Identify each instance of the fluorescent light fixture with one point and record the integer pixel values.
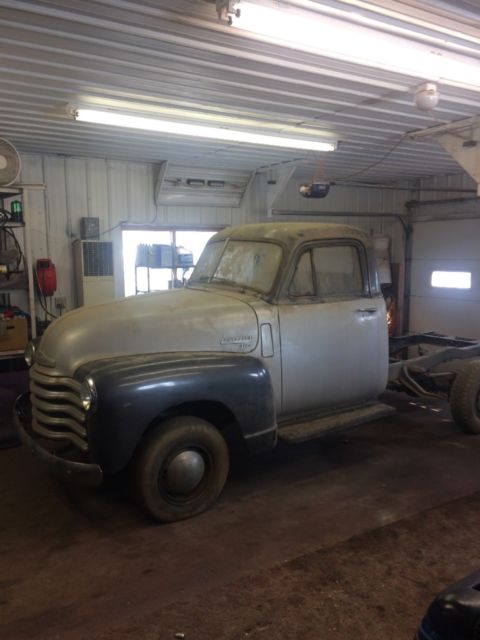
(339, 39)
(452, 279)
(111, 118)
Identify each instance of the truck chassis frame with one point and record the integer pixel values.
(419, 375)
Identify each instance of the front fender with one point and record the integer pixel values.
(133, 391)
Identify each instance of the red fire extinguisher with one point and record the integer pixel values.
(46, 276)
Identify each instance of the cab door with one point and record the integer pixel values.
(334, 343)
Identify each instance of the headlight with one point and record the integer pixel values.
(30, 353)
(88, 394)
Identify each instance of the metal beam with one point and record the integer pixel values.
(276, 184)
(465, 151)
(462, 141)
(457, 126)
(159, 173)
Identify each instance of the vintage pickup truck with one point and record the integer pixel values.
(281, 332)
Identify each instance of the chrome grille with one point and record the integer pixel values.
(57, 410)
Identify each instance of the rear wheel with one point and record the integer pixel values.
(465, 397)
(181, 468)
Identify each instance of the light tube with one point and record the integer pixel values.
(334, 38)
(111, 118)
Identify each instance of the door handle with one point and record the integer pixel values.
(368, 310)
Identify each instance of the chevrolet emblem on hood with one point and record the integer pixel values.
(236, 340)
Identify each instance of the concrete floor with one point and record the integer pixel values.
(346, 538)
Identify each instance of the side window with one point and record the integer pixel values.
(302, 281)
(338, 271)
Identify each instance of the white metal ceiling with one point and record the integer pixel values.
(175, 54)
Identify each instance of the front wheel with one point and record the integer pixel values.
(181, 468)
(465, 397)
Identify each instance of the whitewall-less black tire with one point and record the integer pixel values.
(465, 397)
(180, 468)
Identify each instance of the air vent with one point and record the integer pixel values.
(203, 186)
(97, 259)
(94, 273)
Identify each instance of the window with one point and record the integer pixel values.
(158, 279)
(207, 262)
(451, 279)
(247, 264)
(302, 281)
(328, 271)
(338, 271)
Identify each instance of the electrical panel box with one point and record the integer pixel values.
(93, 262)
(89, 228)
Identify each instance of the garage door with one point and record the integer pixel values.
(451, 250)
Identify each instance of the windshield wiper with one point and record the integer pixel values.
(242, 288)
(225, 281)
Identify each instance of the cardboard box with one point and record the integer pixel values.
(16, 334)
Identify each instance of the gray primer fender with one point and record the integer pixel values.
(133, 391)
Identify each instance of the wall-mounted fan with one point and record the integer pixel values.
(9, 163)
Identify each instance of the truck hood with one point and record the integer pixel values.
(179, 320)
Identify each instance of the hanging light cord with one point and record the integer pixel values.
(373, 164)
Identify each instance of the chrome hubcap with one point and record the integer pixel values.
(185, 471)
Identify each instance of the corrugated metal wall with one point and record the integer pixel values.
(359, 201)
(435, 201)
(118, 192)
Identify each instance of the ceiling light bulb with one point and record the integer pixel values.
(427, 96)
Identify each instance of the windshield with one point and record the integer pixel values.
(245, 264)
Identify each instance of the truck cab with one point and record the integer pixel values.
(321, 316)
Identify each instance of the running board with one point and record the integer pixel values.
(315, 428)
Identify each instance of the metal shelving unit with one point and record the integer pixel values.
(27, 284)
(151, 258)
